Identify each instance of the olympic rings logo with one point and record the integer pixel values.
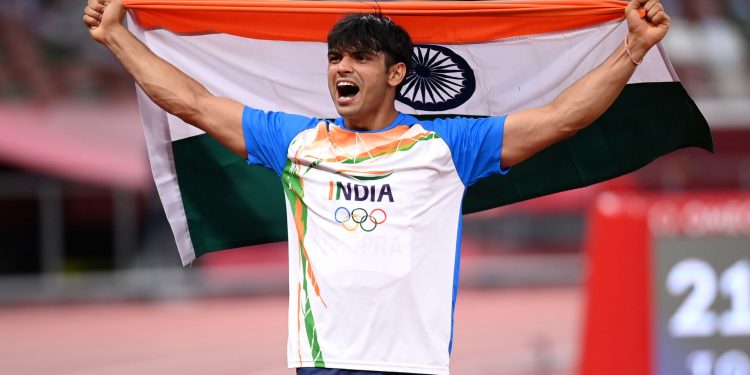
(359, 217)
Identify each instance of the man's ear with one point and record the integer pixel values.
(396, 74)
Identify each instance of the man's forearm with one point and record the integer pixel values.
(587, 99)
(529, 131)
(167, 86)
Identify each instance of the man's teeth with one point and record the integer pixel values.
(347, 90)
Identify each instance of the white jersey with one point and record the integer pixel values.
(374, 222)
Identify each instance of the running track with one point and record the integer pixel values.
(498, 332)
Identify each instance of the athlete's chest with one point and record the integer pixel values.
(338, 164)
(344, 173)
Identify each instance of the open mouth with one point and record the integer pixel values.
(346, 90)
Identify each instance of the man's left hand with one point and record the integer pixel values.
(647, 25)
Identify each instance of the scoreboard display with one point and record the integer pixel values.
(669, 285)
(702, 306)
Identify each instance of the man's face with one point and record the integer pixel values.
(358, 82)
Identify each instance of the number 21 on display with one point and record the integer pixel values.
(694, 317)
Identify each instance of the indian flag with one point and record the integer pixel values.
(470, 59)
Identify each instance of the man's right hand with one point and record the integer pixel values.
(101, 16)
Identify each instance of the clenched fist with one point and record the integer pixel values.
(102, 16)
(647, 24)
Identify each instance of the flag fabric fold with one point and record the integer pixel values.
(471, 59)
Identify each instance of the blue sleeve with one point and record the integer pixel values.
(475, 144)
(268, 135)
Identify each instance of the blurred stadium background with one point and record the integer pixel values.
(91, 282)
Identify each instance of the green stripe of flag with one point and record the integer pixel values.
(646, 121)
(229, 204)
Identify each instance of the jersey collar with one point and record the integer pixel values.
(401, 119)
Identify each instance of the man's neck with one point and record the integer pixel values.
(376, 122)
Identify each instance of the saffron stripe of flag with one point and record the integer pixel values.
(271, 55)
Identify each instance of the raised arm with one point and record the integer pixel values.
(532, 130)
(167, 86)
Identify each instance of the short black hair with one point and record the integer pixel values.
(370, 32)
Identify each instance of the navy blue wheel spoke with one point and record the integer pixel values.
(456, 88)
(440, 63)
(431, 62)
(410, 82)
(408, 87)
(419, 58)
(450, 91)
(436, 91)
(432, 91)
(448, 77)
(427, 57)
(447, 71)
(441, 88)
(422, 88)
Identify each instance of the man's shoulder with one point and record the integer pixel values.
(277, 119)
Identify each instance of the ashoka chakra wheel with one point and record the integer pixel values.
(438, 81)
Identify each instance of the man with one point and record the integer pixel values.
(374, 197)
